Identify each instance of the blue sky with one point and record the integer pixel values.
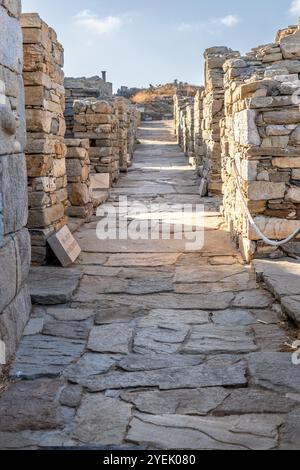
(155, 41)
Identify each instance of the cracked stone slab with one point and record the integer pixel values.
(290, 432)
(217, 373)
(182, 402)
(212, 274)
(67, 314)
(110, 338)
(89, 365)
(291, 306)
(51, 286)
(212, 339)
(269, 337)
(102, 285)
(159, 339)
(120, 314)
(45, 356)
(274, 371)
(234, 317)
(101, 420)
(253, 299)
(149, 286)
(142, 259)
(169, 317)
(69, 329)
(251, 400)
(31, 405)
(248, 432)
(138, 362)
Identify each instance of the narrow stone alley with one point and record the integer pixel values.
(149, 345)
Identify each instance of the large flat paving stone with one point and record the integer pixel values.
(182, 402)
(214, 339)
(166, 317)
(274, 371)
(110, 338)
(166, 339)
(138, 362)
(51, 286)
(31, 405)
(248, 432)
(45, 356)
(213, 374)
(101, 420)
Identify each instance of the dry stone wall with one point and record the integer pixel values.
(45, 150)
(98, 121)
(83, 88)
(213, 112)
(15, 303)
(198, 137)
(78, 175)
(261, 134)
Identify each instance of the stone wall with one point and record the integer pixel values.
(97, 120)
(261, 133)
(45, 150)
(198, 137)
(14, 238)
(213, 112)
(78, 175)
(81, 88)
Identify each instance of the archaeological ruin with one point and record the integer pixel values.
(140, 340)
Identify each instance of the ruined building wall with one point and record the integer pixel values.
(78, 175)
(261, 133)
(82, 88)
(14, 238)
(45, 150)
(98, 121)
(213, 112)
(198, 138)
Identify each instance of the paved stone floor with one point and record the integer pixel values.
(155, 347)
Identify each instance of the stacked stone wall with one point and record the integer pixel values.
(45, 150)
(261, 134)
(213, 112)
(15, 303)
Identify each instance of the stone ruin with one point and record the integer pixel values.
(248, 113)
(45, 176)
(261, 134)
(45, 149)
(15, 302)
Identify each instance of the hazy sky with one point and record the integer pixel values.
(155, 41)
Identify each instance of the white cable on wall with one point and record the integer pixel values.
(252, 221)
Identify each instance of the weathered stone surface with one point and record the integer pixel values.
(291, 306)
(69, 329)
(252, 299)
(290, 432)
(45, 356)
(256, 432)
(89, 365)
(101, 420)
(249, 401)
(70, 314)
(159, 339)
(169, 317)
(138, 362)
(149, 286)
(274, 371)
(245, 129)
(211, 339)
(50, 286)
(71, 396)
(214, 374)
(31, 405)
(110, 338)
(182, 402)
(234, 318)
(269, 337)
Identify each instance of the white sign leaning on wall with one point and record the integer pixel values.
(2, 353)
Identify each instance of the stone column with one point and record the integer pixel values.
(45, 151)
(15, 303)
